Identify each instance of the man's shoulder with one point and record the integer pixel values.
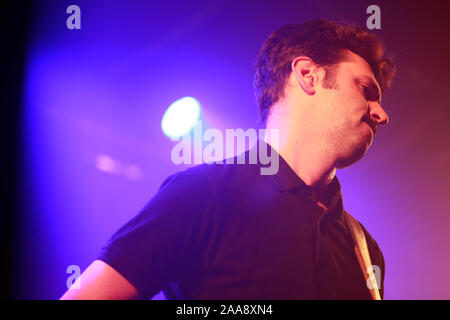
(372, 244)
(366, 232)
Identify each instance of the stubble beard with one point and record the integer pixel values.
(350, 148)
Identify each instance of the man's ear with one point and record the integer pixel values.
(305, 71)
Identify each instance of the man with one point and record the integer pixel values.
(227, 232)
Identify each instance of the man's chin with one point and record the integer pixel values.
(355, 156)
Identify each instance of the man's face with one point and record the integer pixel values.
(352, 110)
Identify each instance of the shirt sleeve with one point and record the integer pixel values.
(166, 237)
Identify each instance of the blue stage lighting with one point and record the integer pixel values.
(180, 117)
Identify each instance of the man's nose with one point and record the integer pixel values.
(377, 113)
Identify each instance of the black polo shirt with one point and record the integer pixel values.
(224, 231)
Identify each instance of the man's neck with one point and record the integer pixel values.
(311, 163)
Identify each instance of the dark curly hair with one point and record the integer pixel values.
(325, 43)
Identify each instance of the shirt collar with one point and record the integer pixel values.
(286, 180)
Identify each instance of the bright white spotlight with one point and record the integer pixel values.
(180, 117)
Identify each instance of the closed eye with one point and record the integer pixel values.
(370, 94)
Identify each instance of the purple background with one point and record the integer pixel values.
(102, 90)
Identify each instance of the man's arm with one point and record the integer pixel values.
(144, 255)
(101, 282)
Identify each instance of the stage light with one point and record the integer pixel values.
(180, 117)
